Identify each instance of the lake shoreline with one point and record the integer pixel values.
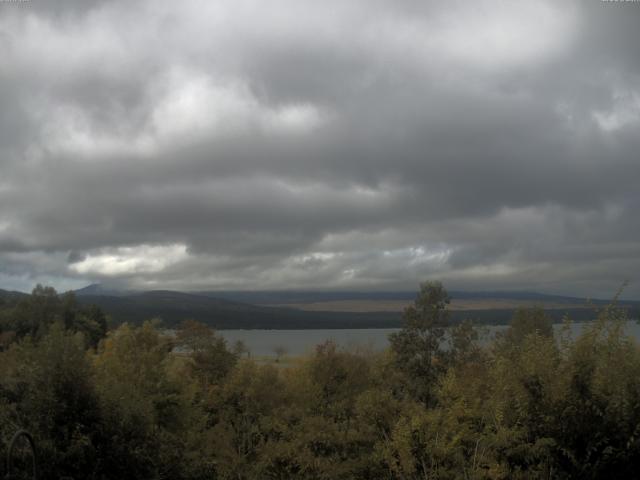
(263, 342)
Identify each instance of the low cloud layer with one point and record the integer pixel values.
(335, 144)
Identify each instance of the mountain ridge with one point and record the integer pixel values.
(268, 309)
(269, 297)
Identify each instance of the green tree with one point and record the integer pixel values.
(526, 321)
(326, 434)
(36, 313)
(209, 359)
(245, 417)
(597, 423)
(46, 387)
(150, 422)
(417, 346)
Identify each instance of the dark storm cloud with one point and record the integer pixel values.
(320, 144)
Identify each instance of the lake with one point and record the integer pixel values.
(300, 342)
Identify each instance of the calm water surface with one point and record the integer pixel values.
(299, 342)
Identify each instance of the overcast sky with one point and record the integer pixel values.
(320, 144)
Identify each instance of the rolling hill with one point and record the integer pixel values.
(317, 310)
(314, 310)
(173, 307)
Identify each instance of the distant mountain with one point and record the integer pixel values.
(277, 297)
(7, 295)
(174, 307)
(97, 289)
(239, 310)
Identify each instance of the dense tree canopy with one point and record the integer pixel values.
(34, 315)
(141, 403)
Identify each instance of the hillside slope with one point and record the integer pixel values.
(173, 307)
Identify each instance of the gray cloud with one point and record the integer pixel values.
(333, 145)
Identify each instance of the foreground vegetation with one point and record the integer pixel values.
(127, 404)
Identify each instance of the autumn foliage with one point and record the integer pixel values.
(438, 404)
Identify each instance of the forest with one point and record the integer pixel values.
(131, 402)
